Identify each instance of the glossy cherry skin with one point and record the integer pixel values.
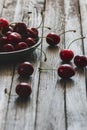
(8, 48)
(52, 39)
(25, 69)
(21, 45)
(32, 32)
(23, 90)
(20, 28)
(66, 71)
(66, 55)
(80, 61)
(3, 40)
(8, 32)
(30, 42)
(35, 30)
(14, 38)
(5, 30)
(4, 23)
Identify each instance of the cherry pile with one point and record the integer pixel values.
(16, 36)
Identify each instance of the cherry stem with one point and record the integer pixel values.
(45, 59)
(74, 41)
(45, 27)
(39, 26)
(45, 69)
(67, 31)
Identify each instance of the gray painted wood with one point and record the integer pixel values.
(54, 104)
(12, 107)
(50, 109)
(76, 105)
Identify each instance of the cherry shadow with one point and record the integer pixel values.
(80, 70)
(22, 102)
(66, 83)
(53, 49)
(25, 79)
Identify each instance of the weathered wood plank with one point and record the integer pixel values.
(76, 106)
(50, 109)
(19, 111)
(6, 75)
(1, 7)
(83, 12)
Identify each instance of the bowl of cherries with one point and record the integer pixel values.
(17, 40)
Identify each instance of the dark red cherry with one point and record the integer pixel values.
(3, 40)
(23, 90)
(66, 55)
(32, 32)
(30, 42)
(35, 30)
(21, 45)
(20, 28)
(4, 23)
(66, 71)
(25, 69)
(52, 39)
(5, 30)
(8, 48)
(14, 38)
(80, 61)
(8, 32)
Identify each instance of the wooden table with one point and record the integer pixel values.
(54, 104)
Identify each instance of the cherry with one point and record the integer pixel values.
(4, 23)
(8, 32)
(5, 30)
(25, 69)
(21, 45)
(14, 38)
(3, 40)
(67, 55)
(80, 61)
(66, 71)
(20, 28)
(32, 32)
(23, 90)
(30, 42)
(53, 39)
(8, 48)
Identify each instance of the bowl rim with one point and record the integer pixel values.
(22, 50)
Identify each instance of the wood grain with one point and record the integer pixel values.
(55, 104)
(76, 106)
(50, 107)
(17, 111)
